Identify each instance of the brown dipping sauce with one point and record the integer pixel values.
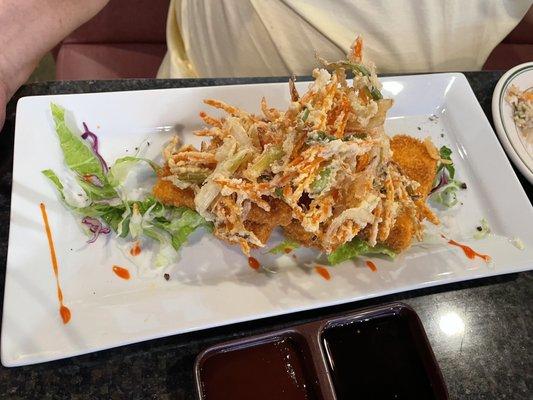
(267, 370)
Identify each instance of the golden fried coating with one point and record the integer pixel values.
(279, 214)
(262, 223)
(262, 231)
(402, 232)
(296, 232)
(415, 161)
(169, 194)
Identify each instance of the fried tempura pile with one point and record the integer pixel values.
(323, 169)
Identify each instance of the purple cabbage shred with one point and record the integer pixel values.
(96, 227)
(93, 139)
(443, 181)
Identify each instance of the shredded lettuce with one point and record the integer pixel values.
(447, 195)
(120, 170)
(96, 192)
(445, 187)
(182, 222)
(169, 226)
(446, 154)
(137, 221)
(166, 254)
(356, 248)
(284, 247)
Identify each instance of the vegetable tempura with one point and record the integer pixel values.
(323, 169)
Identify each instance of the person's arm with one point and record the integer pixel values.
(30, 28)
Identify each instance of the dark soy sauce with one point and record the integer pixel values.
(377, 358)
(269, 370)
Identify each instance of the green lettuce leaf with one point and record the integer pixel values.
(68, 198)
(356, 248)
(284, 247)
(447, 196)
(96, 193)
(51, 175)
(122, 167)
(181, 223)
(78, 156)
(446, 154)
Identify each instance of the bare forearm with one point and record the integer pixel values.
(30, 28)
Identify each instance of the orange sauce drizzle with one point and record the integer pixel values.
(372, 266)
(253, 263)
(121, 272)
(64, 311)
(323, 272)
(136, 249)
(469, 252)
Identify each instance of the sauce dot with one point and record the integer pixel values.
(372, 266)
(323, 272)
(121, 272)
(253, 263)
(136, 249)
(65, 314)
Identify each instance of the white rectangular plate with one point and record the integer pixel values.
(212, 284)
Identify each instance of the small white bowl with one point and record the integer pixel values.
(513, 141)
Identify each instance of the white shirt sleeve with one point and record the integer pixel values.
(227, 38)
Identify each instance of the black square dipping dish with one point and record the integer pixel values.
(375, 353)
(382, 354)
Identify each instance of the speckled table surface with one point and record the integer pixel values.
(491, 358)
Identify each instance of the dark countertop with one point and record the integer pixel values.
(490, 359)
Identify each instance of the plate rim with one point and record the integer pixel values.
(331, 302)
(497, 116)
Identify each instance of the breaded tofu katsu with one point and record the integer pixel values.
(323, 169)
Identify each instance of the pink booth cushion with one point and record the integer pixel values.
(124, 40)
(109, 61)
(125, 21)
(516, 48)
(507, 55)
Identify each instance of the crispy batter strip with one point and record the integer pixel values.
(414, 160)
(171, 195)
